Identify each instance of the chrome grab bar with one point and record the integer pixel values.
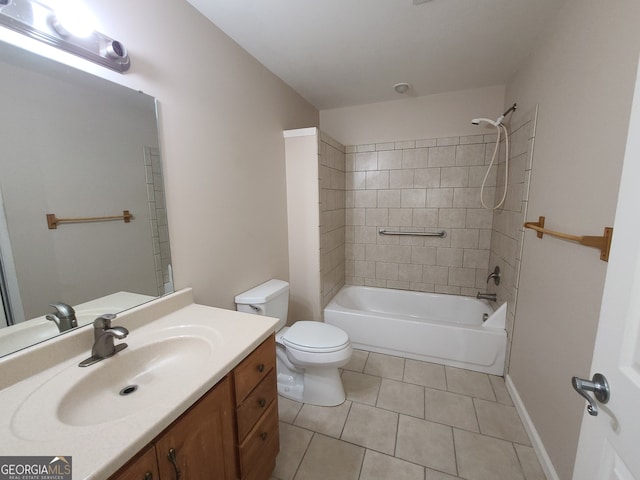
(441, 234)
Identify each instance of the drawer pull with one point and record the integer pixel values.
(262, 402)
(261, 367)
(148, 476)
(263, 435)
(174, 461)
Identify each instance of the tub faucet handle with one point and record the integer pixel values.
(495, 275)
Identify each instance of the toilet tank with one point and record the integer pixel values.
(270, 298)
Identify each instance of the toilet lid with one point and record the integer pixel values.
(315, 337)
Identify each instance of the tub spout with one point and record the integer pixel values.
(487, 296)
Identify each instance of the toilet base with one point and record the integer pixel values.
(313, 385)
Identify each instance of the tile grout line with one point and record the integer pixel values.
(295, 474)
(519, 460)
(346, 418)
(455, 450)
(364, 455)
(475, 411)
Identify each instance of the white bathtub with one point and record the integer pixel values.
(444, 329)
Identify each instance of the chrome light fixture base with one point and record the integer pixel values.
(38, 21)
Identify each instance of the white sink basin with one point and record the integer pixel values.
(153, 365)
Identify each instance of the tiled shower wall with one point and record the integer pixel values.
(507, 234)
(423, 185)
(331, 176)
(158, 216)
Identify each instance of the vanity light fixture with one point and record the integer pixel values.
(38, 19)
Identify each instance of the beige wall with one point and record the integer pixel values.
(221, 120)
(303, 214)
(410, 118)
(581, 74)
(316, 217)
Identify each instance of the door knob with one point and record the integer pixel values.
(598, 385)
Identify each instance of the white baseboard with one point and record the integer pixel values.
(536, 441)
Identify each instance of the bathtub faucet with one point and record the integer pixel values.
(487, 296)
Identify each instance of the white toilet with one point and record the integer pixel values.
(308, 354)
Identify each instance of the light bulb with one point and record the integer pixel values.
(74, 18)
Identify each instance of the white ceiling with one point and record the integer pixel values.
(338, 53)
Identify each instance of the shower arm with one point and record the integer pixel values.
(512, 109)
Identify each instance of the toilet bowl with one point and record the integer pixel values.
(308, 353)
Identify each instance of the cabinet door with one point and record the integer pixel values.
(144, 467)
(200, 445)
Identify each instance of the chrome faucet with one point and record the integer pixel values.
(104, 333)
(64, 317)
(487, 296)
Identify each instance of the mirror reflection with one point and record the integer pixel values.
(75, 146)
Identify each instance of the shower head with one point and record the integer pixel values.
(477, 121)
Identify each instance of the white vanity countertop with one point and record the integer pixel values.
(97, 451)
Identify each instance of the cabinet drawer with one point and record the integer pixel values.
(143, 467)
(254, 368)
(257, 403)
(262, 444)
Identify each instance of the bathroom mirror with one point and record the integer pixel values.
(76, 146)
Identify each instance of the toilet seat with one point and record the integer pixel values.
(315, 337)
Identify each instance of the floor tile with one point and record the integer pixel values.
(466, 382)
(288, 409)
(330, 458)
(485, 458)
(451, 409)
(293, 444)
(378, 466)
(500, 389)
(426, 443)
(502, 421)
(407, 419)
(371, 427)
(361, 388)
(426, 374)
(326, 420)
(529, 463)
(357, 361)
(435, 475)
(401, 397)
(385, 366)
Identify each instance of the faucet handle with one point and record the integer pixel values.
(495, 275)
(103, 322)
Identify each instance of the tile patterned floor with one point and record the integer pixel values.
(405, 419)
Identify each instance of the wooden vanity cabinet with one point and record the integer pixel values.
(200, 444)
(197, 446)
(257, 412)
(230, 433)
